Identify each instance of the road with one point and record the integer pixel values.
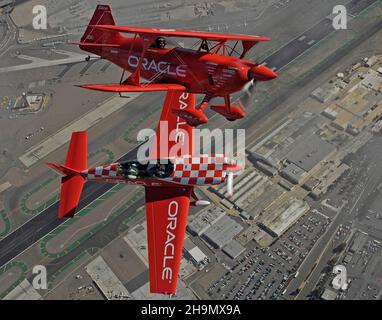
(36, 228)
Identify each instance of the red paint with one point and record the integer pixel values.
(212, 72)
(167, 201)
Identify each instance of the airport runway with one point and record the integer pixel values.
(36, 228)
(311, 37)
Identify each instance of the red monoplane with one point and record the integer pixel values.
(214, 69)
(169, 183)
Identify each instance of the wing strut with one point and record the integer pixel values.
(147, 41)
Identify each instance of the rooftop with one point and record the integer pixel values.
(197, 254)
(233, 249)
(223, 231)
(205, 219)
(308, 152)
(106, 280)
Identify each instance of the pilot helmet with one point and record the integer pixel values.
(160, 42)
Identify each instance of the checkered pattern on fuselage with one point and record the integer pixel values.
(105, 171)
(202, 170)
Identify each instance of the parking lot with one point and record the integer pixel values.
(363, 264)
(263, 273)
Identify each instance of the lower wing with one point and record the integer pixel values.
(166, 212)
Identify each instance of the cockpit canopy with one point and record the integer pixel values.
(134, 169)
(159, 43)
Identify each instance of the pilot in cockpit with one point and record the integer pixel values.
(158, 170)
(132, 172)
(161, 170)
(160, 43)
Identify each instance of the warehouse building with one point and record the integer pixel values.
(283, 215)
(204, 220)
(106, 280)
(274, 149)
(233, 249)
(193, 253)
(222, 232)
(309, 152)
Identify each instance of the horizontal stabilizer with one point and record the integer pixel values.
(132, 88)
(63, 170)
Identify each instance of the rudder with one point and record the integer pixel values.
(102, 15)
(76, 158)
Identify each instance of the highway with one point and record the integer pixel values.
(36, 228)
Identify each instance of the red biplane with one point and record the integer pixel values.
(214, 69)
(169, 183)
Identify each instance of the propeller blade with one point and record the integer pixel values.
(247, 96)
(248, 86)
(230, 184)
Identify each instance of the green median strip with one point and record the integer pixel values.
(44, 242)
(44, 205)
(6, 222)
(109, 153)
(14, 264)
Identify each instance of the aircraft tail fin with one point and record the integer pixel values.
(72, 182)
(102, 15)
(76, 157)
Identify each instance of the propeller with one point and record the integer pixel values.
(230, 184)
(256, 73)
(247, 94)
(231, 168)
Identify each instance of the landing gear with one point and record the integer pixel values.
(235, 113)
(193, 116)
(196, 117)
(230, 111)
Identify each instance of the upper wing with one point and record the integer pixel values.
(166, 213)
(144, 87)
(174, 137)
(181, 33)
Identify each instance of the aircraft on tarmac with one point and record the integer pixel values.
(212, 69)
(169, 181)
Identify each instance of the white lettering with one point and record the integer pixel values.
(169, 248)
(161, 66)
(133, 61)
